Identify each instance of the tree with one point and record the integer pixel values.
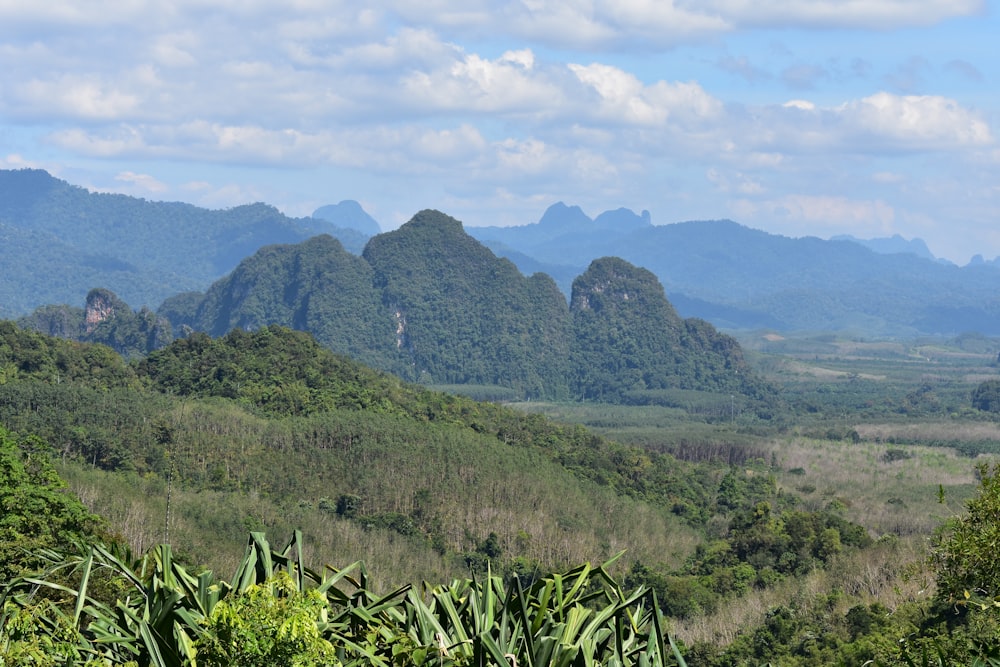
(273, 623)
(37, 511)
(986, 396)
(965, 557)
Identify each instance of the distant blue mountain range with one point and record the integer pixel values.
(58, 241)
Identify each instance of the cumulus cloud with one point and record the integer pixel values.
(880, 123)
(919, 122)
(623, 97)
(508, 84)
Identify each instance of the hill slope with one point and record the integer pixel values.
(59, 241)
(431, 304)
(269, 430)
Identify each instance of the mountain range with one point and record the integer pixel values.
(431, 304)
(58, 241)
(742, 278)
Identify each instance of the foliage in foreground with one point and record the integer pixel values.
(36, 509)
(274, 611)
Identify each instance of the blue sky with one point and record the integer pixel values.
(811, 117)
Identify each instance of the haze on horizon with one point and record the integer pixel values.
(800, 118)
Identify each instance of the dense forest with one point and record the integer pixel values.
(60, 240)
(429, 303)
(208, 440)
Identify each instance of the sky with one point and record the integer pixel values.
(798, 117)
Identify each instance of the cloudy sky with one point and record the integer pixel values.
(798, 117)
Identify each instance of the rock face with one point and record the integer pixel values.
(101, 306)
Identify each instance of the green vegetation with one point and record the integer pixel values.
(430, 304)
(36, 510)
(801, 540)
(277, 611)
(60, 241)
(987, 396)
(105, 319)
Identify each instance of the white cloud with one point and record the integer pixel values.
(867, 14)
(877, 124)
(86, 98)
(921, 122)
(624, 98)
(509, 84)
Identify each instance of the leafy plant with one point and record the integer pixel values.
(276, 611)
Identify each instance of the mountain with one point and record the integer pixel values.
(57, 241)
(431, 304)
(348, 214)
(741, 278)
(105, 319)
(891, 245)
(629, 341)
(314, 286)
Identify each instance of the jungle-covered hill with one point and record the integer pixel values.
(58, 241)
(433, 305)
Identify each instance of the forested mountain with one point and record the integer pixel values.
(431, 304)
(464, 316)
(741, 278)
(57, 241)
(104, 319)
(314, 286)
(629, 341)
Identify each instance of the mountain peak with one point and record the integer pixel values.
(565, 217)
(348, 214)
(894, 244)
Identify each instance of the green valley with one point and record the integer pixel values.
(800, 539)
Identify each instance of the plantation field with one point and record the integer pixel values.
(799, 535)
(877, 426)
